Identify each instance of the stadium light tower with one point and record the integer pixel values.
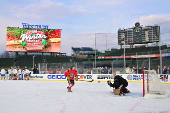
(95, 45)
(124, 52)
(33, 60)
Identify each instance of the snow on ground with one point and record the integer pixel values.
(87, 97)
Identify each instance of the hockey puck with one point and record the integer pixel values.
(98, 81)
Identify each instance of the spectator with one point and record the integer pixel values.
(10, 73)
(34, 70)
(105, 70)
(98, 70)
(128, 70)
(18, 68)
(158, 70)
(35, 66)
(81, 70)
(62, 70)
(145, 68)
(88, 72)
(2, 73)
(54, 71)
(37, 72)
(134, 69)
(168, 72)
(140, 70)
(110, 71)
(164, 70)
(102, 70)
(94, 71)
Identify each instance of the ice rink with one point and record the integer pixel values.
(87, 97)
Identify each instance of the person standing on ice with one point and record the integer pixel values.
(71, 74)
(2, 73)
(119, 84)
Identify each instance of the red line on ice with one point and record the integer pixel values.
(135, 106)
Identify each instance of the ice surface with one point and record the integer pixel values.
(87, 97)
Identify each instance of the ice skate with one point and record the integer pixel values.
(69, 90)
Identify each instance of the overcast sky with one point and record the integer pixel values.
(80, 19)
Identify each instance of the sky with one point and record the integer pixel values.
(81, 19)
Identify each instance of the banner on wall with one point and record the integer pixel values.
(165, 78)
(33, 40)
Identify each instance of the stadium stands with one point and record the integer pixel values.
(6, 62)
(27, 60)
(23, 61)
(82, 50)
(87, 49)
(132, 51)
(76, 49)
(52, 59)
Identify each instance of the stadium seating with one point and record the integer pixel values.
(132, 51)
(76, 49)
(27, 60)
(87, 49)
(58, 59)
(6, 62)
(23, 61)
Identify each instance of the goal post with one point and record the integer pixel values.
(152, 86)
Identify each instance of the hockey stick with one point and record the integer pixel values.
(69, 81)
(86, 81)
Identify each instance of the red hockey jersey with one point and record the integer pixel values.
(71, 73)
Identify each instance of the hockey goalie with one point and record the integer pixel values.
(119, 84)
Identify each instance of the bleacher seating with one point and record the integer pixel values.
(6, 62)
(76, 49)
(23, 61)
(52, 59)
(87, 49)
(106, 53)
(133, 51)
(27, 60)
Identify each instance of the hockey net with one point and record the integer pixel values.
(152, 86)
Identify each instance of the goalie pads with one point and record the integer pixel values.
(76, 78)
(116, 91)
(120, 86)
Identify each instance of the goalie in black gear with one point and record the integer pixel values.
(119, 84)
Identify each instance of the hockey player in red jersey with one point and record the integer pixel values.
(71, 75)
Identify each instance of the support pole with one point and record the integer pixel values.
(143, 83)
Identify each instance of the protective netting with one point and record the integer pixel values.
(153, 87)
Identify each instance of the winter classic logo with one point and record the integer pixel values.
(34, 40)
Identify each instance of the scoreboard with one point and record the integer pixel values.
(139, 35)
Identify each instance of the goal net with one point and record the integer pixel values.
(152, 86)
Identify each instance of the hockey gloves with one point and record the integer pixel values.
(68, 78)
(76, 78)
(109, 82)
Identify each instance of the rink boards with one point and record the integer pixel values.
(138, 78)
